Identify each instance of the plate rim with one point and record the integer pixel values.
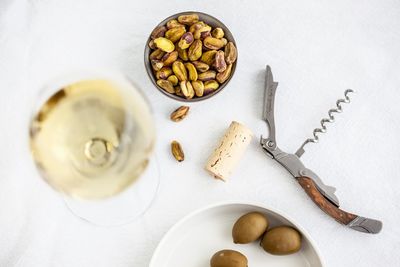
(226, 203)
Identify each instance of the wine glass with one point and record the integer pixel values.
(92, 137)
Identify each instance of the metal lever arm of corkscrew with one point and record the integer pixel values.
(294, 165)
(268, 112)
(322, 195)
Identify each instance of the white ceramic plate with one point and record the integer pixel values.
(194, 239)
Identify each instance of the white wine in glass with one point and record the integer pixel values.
(92, 138)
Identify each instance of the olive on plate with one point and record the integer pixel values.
(281, 240)
(228, 258)
(249, 228)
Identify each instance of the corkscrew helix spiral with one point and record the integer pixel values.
(324, 121)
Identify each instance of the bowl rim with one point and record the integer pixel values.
(257, 204)
(151, 75)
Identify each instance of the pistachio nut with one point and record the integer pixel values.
(166, 85)
(204, 30)
(187, 89)
(186, 40)
(178, 91)
(198, 87)
(189, 19)
(210, 86)
(191, 71)
(157, 54)
(223, 76)
(195, 50)
(156, 64)
(190, 58)
(169, 58)
(230, 53)
(173, 23)
(179, 70)
(219, 62)
(213, 43)
(218, 33)
(177, 152)
(182, 53)
(179, 113)
(224, 41)
(204, 35)
(201, 66)
(208, 57)
(158, 32)
(152, 45)
(173, 80)
(174, 34)
(196, 26)
(164, 44)
(207, 76)
(163, 73)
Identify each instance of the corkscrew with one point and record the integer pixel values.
(324, 121)
(322, 195)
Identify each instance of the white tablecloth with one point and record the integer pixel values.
(316, 50)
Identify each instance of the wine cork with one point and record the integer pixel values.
(230, 150)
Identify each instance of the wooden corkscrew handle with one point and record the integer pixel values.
(324, 204)
(353, 221)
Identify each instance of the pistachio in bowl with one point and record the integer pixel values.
(190, 56)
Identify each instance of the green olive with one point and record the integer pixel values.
(249, 228)
(228, 258)
(282, 240)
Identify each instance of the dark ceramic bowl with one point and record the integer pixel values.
(213, 22)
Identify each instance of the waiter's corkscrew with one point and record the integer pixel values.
(323, 195)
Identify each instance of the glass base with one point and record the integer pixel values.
(123, 208)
